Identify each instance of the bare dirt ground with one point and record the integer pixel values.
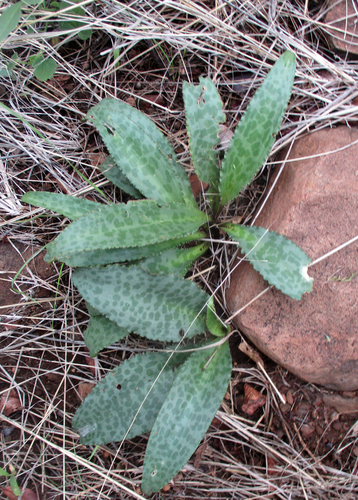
(304, 447)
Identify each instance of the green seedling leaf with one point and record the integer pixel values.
(255, 134)
(113, 403)
(142, 152)
(85, 34)
(186, 414)
(45, 69)
(62, 204)
(9, 20)
(203, 109)
(101, 332)
(112, 255)
(14, 486)
(215, 325)
(72, 23)
(157, 307)
(135, 224)
(117, 177)
(4, 473)
(280, 262)
(5, 72)
(174, 261)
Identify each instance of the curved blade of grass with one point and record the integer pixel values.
(102, 257)
(280, 262)
(62, 204)
(203, 109)
(255, 134)
(142, 152)
(186, 414)
(114, 174)
(109, 409)
(157, 307)
(134, 224)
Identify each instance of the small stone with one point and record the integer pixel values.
(289, 397)
(307, 430)
(315, 204)
(285, 407)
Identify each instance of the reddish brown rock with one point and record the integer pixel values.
(341, 24)
(315, 204)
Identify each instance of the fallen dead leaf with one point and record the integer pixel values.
(84, 388)
(253, 400)
(270, 466)
(225, 136)
(9, 402)
(153, 99)
(197, 186)
(199, 454)
(96, 158)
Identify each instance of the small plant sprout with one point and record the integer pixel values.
(131, 259)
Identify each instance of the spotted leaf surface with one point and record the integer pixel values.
(215, 325)
(186, 415)
(102, 257)
(101, 332)
(133, 224)
(62, 204)
(157, 307)
(108, 411)
(142, 152)
(174, 261)
(255, 134)
(114, 174)
(280, 262)
(203, 109)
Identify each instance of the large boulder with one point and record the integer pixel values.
(315, 204)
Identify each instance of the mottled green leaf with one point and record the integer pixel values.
(16, 490)
(174, 261)
(114, 174)
(215, 325)
(203, 109)
(9, 20)
(110, 256)
(255, 134)
(142, 152)
(185, 415)
(108, 411)
(62, 204)
(135, 224)
(280, 262)
(101, 332)
(154, 306)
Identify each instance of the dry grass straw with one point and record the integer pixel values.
(138, 49)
